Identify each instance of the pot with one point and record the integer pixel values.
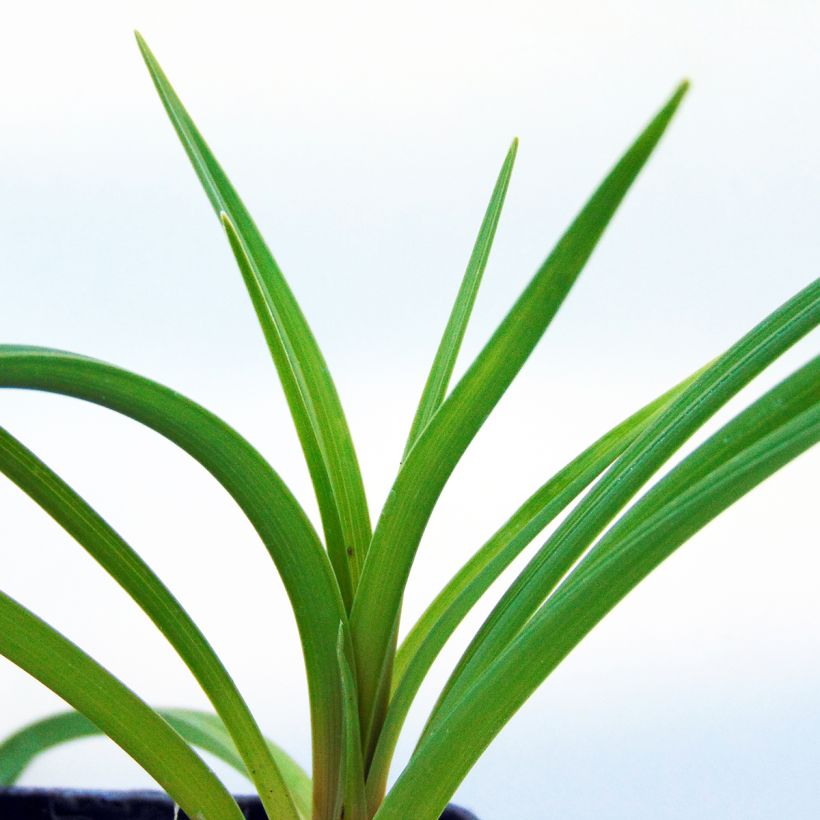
(19, 803)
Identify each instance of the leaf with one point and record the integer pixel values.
(354, 802)
(296, 777)
(261, 494)
(41, 651)
(19, 749)
(309, 389)
(132, 573)
(201, 729)
(722, 380)
(794, 395)
(448, 752)
(445, 359)
(424, 642)
(444, 440)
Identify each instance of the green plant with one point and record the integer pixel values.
(346, 588)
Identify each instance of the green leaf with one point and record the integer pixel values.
(309, 389)
(719, 382)
(261, 494)
(794, 395)
(201, 729)
(65, 669)
(454, 744)
(444, 440)
(424, 642)
(131, 572)
(295, 776)
(19, 749)
(445, 360)
(354, 802)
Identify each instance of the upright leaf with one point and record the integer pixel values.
(353, 796)
(444, 440)
(445, 360)
(309, 389)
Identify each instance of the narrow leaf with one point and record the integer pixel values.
(295, 776)
(445, 360)
(133, 574)
(201, 729)
(448, 752)
(354, 802)
(307, 384)
(429, 635)
(444, 440)
(790, 398)
(722, 380)
(261, 494)
(41, 651)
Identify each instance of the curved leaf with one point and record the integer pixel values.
(201, 729)
(133, 574)
(722, 380)
(65, 669)
(791, 397)
(448, 752)
(260, 493)
(430, 633)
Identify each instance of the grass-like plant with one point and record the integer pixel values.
(346, 585)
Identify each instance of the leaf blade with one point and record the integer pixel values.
(354, 805)
(41, 651)
(309, 389)
(575, 609)
(280, 522)
(125, 566)
(438, 622)
(202, 729)
(444, 361)
(441, 444)
(716, 385)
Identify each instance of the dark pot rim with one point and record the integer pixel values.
(40, 803)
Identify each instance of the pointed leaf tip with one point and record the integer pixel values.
(680, 92)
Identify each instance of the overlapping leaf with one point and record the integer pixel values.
(57, 663)
(118, 559)
(261, 494)
(718, 383)
(201, 729)
(679, 509)
(354, 802)
(309, 389)
(449, 432)
(424, 642)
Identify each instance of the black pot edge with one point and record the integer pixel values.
(32, 803)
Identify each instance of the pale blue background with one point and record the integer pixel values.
(366, 138)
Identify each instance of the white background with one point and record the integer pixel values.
(365, 137)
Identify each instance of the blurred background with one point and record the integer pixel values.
(365, 138)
